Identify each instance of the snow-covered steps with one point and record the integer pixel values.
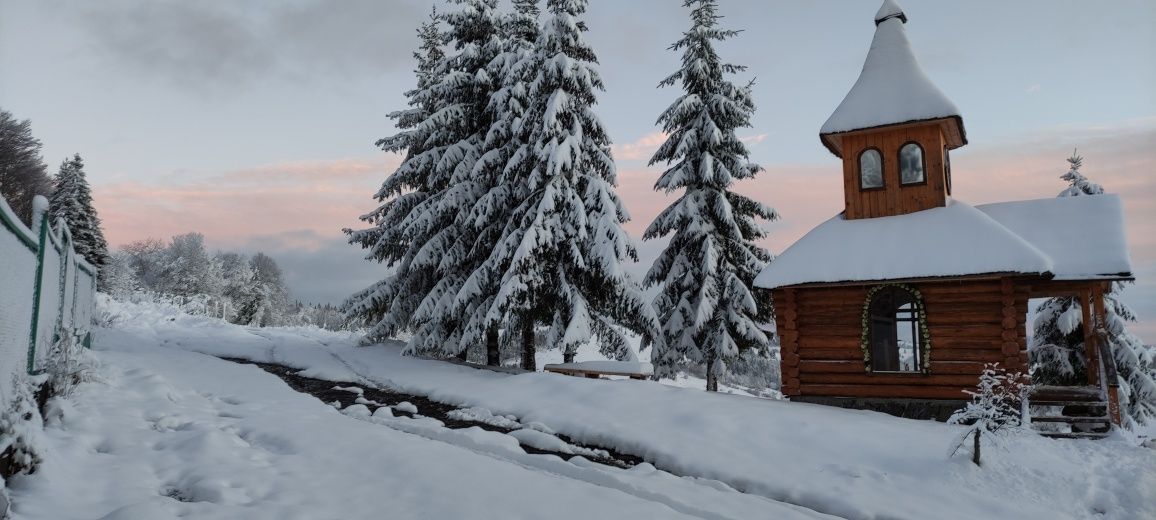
(1062, 412)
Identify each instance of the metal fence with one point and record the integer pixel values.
(47, 294)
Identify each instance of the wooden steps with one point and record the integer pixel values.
(1083, 410)
(1065, 419)
(1075, 435)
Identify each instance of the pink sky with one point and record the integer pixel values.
(304, 203)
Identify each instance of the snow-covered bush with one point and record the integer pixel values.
(20, 425)
(68, 365)
(996, 408)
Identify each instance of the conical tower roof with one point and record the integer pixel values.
(892, 89)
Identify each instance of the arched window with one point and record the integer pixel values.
(894, 333)
(870, 169)
(911, 164)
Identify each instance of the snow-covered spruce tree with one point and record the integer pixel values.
(561, 255)
(417, 229)
(498, 177)
(72, 201)
(451, 245)
(1077, 183)
(387, 305)
(996, 408)
(1058, 351)
(709, 314)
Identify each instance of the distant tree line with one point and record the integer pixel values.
(232, 286)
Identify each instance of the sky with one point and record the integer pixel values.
(253, 122)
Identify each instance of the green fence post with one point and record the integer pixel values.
(36, 293)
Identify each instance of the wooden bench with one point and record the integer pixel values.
(597, 369)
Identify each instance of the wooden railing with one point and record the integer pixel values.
(1109, 380)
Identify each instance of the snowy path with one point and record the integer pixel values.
(171, 434)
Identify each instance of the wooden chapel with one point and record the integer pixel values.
(897, 303)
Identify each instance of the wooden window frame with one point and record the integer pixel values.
(882, 169)
(947, 169)
(922, 354)
(922, 160)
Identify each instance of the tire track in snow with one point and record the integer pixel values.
(594, 479)
(609, 481)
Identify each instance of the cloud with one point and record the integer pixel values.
(196, 45)
(318, 267)
(321, 197)
(754, 139)
(643, 148)
(640, 150)
(1033, 89)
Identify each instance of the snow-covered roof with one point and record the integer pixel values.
(1083, 236)
(892, 88)
(1074, 238)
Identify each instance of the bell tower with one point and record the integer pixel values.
(893, 130)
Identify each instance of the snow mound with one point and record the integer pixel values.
(406, 406)
(484, 416)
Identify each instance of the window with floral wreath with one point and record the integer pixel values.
(895, 332)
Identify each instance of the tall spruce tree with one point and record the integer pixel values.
(387, 305)
(1057, 350)
(562, 251)
(498, 185)
(451, 247)
(708, 311)
(72, 201)
(421, 232)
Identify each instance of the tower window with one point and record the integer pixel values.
(870, 169)
(911, 164)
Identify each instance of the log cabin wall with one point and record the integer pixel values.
(969, 322)
(894, 198)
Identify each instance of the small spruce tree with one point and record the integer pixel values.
(996, 408)
(706, 304)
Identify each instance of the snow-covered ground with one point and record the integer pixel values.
(171, 432)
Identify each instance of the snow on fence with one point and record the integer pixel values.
(47, 294)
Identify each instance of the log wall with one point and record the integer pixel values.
(970, 323)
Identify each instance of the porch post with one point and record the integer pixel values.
(1110, 384)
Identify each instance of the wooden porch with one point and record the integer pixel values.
(1088, 411)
